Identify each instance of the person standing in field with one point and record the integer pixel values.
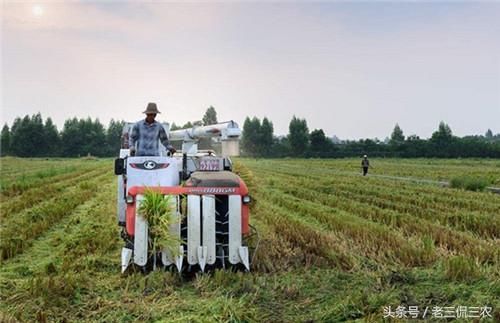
(365, 164)
(146, 134)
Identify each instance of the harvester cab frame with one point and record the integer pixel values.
(213, 224)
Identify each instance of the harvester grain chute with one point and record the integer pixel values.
(212, 227)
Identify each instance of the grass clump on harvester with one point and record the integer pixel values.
(159, 211)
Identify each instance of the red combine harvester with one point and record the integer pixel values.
(213, 224)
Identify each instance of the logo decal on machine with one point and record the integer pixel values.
(149, 165)
(212, 190)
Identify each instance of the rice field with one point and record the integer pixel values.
(335, 246)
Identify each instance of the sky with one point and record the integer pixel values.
(353, 69)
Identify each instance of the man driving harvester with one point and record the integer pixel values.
(146, 134)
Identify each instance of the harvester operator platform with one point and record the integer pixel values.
(146, 134)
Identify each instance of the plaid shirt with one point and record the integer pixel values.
(147, 136)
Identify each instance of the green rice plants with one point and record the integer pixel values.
(159, 211)
(428, 250)
(248, 177)
(246, 174)
(461, 268)
(469, 183)
(310, 243)
(377, 240)
(55, 288)
(277, 255)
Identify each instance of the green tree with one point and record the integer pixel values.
(210, 116)
(251, 136)
(85, 129)
(187, 125)
(71, 138)
(320, 144)
(489, 134)
(13, 141)
(298, 136)
(174, 127)
(397, 136)
(5, 141)
(281, 147)
(96, 138)
(20, 144)
(443, 134)
(38, 135)
(82, 137)
(441, 141)
(51, 137)
(28, 136)
(113, 137)
(266, 139)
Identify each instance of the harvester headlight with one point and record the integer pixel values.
(246, 199)
(129, 199)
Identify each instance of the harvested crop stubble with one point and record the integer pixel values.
(36, 195)
(20, 184)
(326, 254)
(479, 222)
(21, 230)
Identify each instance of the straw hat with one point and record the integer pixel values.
(151, 109)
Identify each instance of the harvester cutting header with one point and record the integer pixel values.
(211, 202)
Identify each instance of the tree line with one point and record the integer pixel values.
(31, 136)
(259, 141)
